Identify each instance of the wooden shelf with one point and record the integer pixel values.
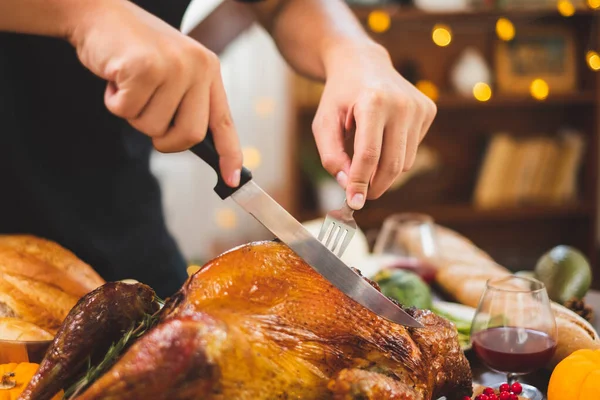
(453, 102)
(516, 235)
(409, 14)
(468, 214)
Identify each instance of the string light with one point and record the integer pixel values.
(566, 8)
(539, 89)
(379, 21)
(593, 60)
(252, 157)
(441, 35)
(226, 218)
(264, 107)
(482, 91)
(505, 29)
(593, 4)
(429, 89)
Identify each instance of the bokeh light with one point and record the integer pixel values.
(441, 35)
(379, 21)
(539, 89)
(226, 218)
(593, 60)
(252, 157)
(429, 89)
(566, 8)
(482, 91)
(505, 29)
(264, 106)
(593, 4)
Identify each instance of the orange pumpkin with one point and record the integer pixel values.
(15, 378)
(576, 377)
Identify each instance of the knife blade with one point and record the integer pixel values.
(283, 225)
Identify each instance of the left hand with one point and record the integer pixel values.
(364, 92)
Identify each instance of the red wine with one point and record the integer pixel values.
(420, 267)
(509, 349)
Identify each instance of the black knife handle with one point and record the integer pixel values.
(206, 151)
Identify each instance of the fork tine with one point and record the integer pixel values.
(333, 230)
(341, 224)
(338, 237)
(346, 242)
(324, 229)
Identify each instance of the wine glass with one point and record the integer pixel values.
(408, 241)
(514, 331)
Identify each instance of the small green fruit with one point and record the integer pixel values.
(566, 273)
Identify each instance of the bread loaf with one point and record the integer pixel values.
(47, 262)
(16, 329)
(35, 302)
(463, 270)
(41, 281)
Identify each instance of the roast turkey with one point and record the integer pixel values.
(258, 323)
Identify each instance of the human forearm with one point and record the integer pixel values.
(40, 17)
(363, 94)
(163, 83)
(314, 35)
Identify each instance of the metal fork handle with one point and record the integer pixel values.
(347, 211)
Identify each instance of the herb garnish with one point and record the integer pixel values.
(112, 355)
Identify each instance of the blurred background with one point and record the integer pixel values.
(510, 162)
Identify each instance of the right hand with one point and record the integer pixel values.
(165, 84)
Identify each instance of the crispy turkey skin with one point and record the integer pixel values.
(259, 323)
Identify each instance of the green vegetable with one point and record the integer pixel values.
(405, 287)
(566, 272)
(461, 316)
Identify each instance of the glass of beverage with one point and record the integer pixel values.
(514, 331)
(407, 241)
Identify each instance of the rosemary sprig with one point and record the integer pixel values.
(112, 355)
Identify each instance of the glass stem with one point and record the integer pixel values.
(511, 378)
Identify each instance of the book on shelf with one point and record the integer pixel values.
(530, 171)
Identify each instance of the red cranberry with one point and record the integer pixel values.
(484, 397)
(493, 396)
(505, 387)
(514, 396)
(504, 396)
(489, 391)
(516, 388)
(466, 398)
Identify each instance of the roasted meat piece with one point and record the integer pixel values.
(97, 320)
(259, 323)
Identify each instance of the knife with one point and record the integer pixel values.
(277, 220)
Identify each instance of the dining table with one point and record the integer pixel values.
(484, 376)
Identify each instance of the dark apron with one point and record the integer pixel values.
(72, 172)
